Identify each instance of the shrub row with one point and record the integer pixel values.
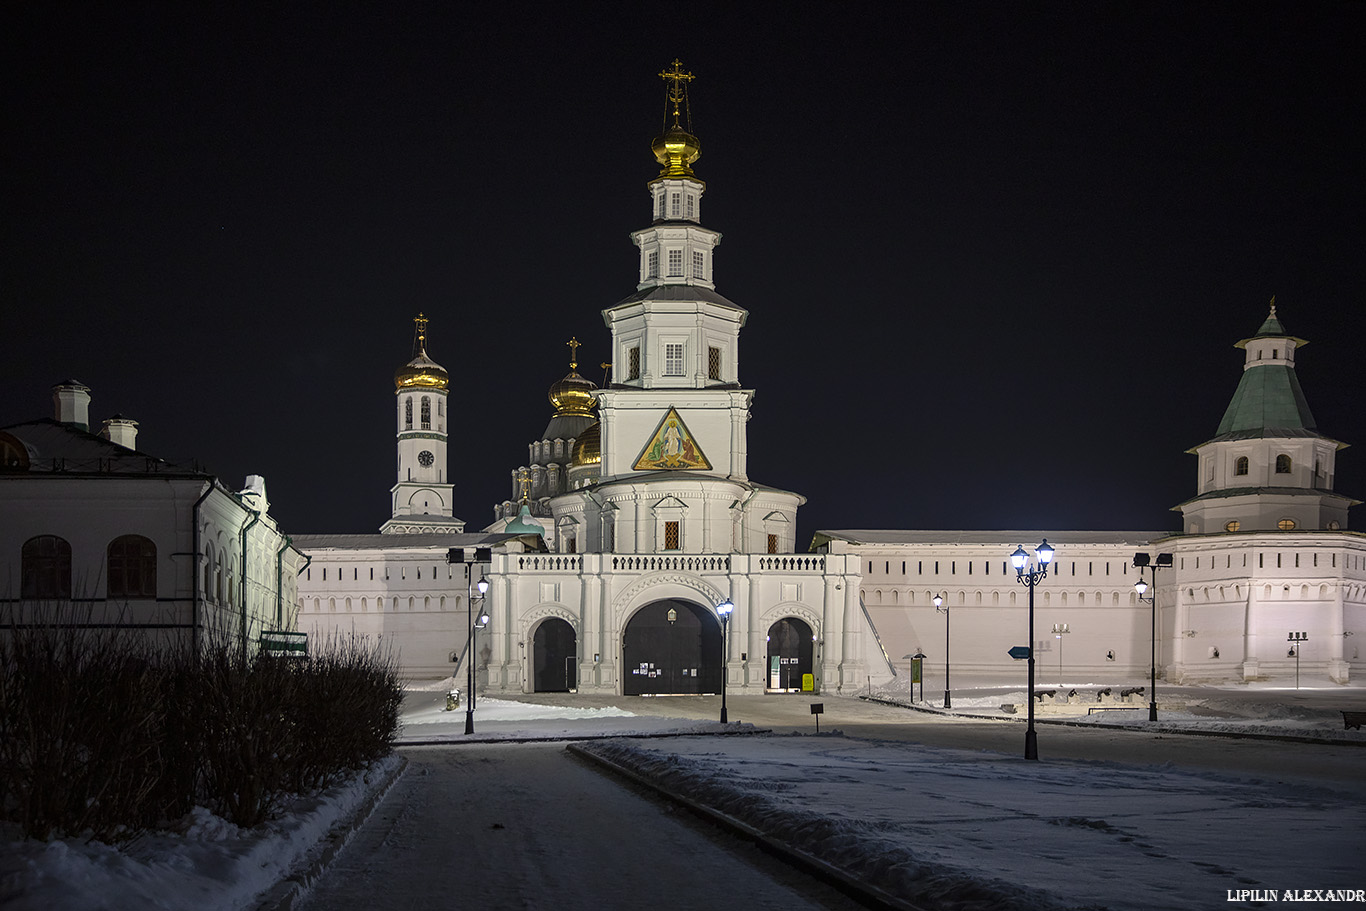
(105, 735)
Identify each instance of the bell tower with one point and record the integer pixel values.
(422, 492)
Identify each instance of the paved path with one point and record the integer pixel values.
(488, 826)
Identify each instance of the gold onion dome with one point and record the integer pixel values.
(573, 395)
(421, 370)
(676, 150)
(588, 447)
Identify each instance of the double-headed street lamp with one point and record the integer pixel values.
(1141, 560)
(723, 611)
(941, 608)
(1031, 577)
(476, 624)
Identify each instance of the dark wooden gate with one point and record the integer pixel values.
(554, 649)
(671, 647)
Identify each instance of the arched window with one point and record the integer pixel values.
(426, 413)
(132, 567)
(46, 568)
(408, 413)
(1282, 464)
(1240, 466)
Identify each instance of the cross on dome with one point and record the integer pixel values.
(678, 93)
(574, 345)
(421, 322)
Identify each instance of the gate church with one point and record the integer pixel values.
(612, 584)
(636, 518)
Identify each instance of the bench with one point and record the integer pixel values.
(1353, 720)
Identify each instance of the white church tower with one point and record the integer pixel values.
(666, 469)
(422, 493)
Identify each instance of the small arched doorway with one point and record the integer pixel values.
(671, 647)
(554, 657)
(789, 654)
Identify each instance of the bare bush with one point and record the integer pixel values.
(104, 735)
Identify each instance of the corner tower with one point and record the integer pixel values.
(1267, 468)
(422, 493)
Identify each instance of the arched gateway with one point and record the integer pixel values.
(789, 654)
(554, 657)
(671, 647)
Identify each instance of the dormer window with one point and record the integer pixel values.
(1240, 466)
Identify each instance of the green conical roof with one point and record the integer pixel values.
(1268, 403)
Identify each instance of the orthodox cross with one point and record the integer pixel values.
(421, 322)
(574, 346)
(678, 93)
(1273, 305)
(524, 477)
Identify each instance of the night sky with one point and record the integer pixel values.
(995, 255)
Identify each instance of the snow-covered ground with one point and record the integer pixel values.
(1255, 710)
(955, 829)
(931, 822)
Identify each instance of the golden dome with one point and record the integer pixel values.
(676, 150)
(588, 447)
(421, 371)
(572, 395)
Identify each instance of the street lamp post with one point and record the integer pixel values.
(1296, 640)
(1060, 630)
(941, 608)
(723, 611)
(1036, 573)
(475, 626)
(1141, 560)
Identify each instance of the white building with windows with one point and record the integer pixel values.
(99, 534)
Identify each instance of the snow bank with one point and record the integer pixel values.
(203, 863)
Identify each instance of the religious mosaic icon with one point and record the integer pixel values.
(672, 448)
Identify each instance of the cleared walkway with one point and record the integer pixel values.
(528, 826)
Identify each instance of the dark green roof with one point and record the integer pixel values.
(1267, 403)
(1271, 328)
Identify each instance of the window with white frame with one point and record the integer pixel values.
(676, 205)
(691, 209)
(652, 264)
(698, 265)
(676, 263)
(633, 364)
(662, 196)
(673, 359)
